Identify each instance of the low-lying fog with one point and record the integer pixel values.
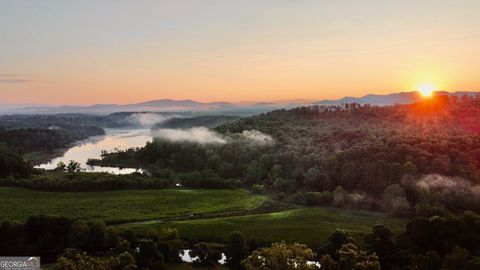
(121, 139)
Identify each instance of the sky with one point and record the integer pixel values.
(88, 52)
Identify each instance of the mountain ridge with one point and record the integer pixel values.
(389, 99)
(172, 105)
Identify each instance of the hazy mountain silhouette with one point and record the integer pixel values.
(161, 105)
(388, 99)
(171, 105)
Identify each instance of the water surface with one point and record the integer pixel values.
(114, 139)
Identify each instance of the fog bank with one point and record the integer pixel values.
(200, 135)
(148, 119)
(203, 135)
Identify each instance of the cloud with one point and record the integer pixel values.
(204, 135)
(15, 78)
(200, 135)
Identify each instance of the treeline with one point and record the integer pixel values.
(34, 139)
(33, 133)
(439, 242)
(65, 121)
(79, 120)
(79, 125)
(82, 182)
(427, 243)
(22, 134)
(359, 147)
(49, 236)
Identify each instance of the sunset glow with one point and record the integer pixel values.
(83, 52)
(426, 90)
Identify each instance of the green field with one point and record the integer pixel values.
(304, 225)
(311, 226)
(123, 206)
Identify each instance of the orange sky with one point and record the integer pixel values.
(123, 52)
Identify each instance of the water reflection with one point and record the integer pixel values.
(93, 147)
(185, 256)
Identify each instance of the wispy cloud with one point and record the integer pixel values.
(15, 78)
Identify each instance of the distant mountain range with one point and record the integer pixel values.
(161, 105)
(170, 105)
(388, 99)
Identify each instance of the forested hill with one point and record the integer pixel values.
(360, 148)
(439, 114)
(27, 140)
(31, 133)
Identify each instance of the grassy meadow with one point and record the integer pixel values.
(123, 206)
(139, 210)
(311, 226)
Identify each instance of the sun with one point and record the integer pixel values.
(426, 90)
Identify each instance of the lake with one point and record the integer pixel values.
(114, 139)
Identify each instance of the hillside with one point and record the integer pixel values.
(389, 99)
(361, 148)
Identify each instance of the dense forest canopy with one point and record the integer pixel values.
(31, 133)
(420, 160)
(362, 148)
(27, 140)
(12, 164)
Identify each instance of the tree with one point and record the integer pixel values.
(122, 247)
(73, 259)
(381, 242)
(78, 233)
(394, 200)
(460, 258)
(336, 239)
(281, 256)
(281, 184)
(352, 258)
(169, 244)
(97, 236)
(315, 180)
(148, 256)
(252, 245)
(409, 168)
(112, 237)
(327, 263)
(236, 250)
(73, 166)
(255, 173)
(428, 261)
(206, 255)
(61, 166)
(124, 261)
(441, 164)
(340, 196)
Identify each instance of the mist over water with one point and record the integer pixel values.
(122, 139)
